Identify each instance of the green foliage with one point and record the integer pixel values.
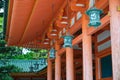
(5, 76)
(6, 69)
(8, 52)
(16, 52)
(1, 21)
(24, 56)
(10, 69)
(1, 3)
(30, 55)
(1, 24)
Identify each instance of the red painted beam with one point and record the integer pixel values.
(77, 40)
(76, 27)
(102, 4)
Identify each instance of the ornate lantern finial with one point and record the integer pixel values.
(94, 15)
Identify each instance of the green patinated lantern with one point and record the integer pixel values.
(67, 41)
(52, 53)
(94, 15)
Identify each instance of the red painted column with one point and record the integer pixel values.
(57, 64)
(115, 37)
(58, 67)
(49, 70)
(69, 64)
(87, 51)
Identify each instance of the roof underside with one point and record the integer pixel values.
(29, 20)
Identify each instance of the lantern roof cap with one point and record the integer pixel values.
(94, 9)
(68, 35)
(52, 49)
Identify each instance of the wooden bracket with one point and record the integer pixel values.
(118, 8)
(108, 13)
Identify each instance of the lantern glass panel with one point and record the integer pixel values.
(67, 41)
(94, 18)
(94, 15)
(52, 53)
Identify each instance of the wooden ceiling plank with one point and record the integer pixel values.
(19, 18)
(28, 22)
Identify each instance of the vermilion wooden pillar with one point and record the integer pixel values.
(57, 64)
(87, 51)
(69, 64)
(49, 70)
(115, 37)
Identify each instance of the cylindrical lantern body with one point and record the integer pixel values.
(52, 53)
(67, 41)
(94, 15)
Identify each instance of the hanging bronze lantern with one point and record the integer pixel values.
(52, 53)
(67, 41)
(94, 15)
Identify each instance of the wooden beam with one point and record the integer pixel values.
(76, 27)
(61, 51)
(75, 60)
(77, 40)
(102, 4)
(27, 22)
(103, 41)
